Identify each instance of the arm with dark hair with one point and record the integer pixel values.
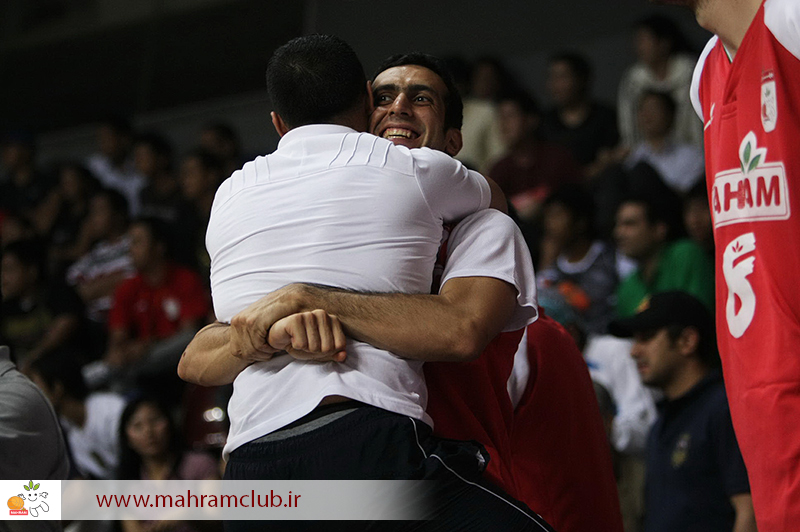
(455, 325)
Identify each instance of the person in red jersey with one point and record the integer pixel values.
(470, 400)
(746, 89)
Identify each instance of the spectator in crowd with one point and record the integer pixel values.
(679, 164)
(113, 165)
(154, 314)
(697, 217)
(573, 262)
(696, 478)
(24, 189)
(221, 141)
(36, 316)
(587, 128)
(151, 446)
(200, 175)
(98, 272)
(483, 144)
(152, 156)
(533, 167)
(663, 63)
(90, 421)
(68, 238)
(646, 232)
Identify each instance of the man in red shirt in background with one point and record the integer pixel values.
(156, 312)
(746, 89)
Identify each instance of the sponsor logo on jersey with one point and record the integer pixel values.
(769, 101)
(757, 191)
(738, 262)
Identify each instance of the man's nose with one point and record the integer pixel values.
(401, 105)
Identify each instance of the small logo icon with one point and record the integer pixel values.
(34, 499)
(681, 451)
(769, 101)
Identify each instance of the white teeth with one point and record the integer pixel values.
(397, 133)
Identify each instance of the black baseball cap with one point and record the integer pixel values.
(662, 310)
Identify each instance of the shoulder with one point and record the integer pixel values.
(487, 220)
(698, 74)
(685, 248)
(782, 18)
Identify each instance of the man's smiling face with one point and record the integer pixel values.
(410, 109)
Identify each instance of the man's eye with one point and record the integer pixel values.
(423, 99)
(382, 98)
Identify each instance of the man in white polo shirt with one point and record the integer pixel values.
(336, 207)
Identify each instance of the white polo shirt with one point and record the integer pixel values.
(341, 208)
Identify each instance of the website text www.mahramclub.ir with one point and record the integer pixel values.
(194, 500)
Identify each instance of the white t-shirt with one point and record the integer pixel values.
(95, 446)
(340, 208)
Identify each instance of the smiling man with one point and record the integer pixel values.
(747, 91)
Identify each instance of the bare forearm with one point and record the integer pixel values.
(450, 326)
(208, 359)
(745, 515)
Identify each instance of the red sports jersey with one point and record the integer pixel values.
(751, 109)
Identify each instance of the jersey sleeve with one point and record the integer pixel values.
(489, 244)
(782, 18)
(451, 190)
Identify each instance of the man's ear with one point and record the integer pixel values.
(689, 341)
(280, 125)
(370, 98)
(453, 141)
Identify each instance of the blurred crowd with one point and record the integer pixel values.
(105, 277)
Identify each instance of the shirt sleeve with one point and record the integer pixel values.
(782, 18)
(451, 190)
(489, 244)
(694, 92)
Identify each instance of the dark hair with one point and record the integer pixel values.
(577, 201)
(130, 462)
(207, 160)
(119, 124)
(527, 103)
(155, 142)
(62, 366)
(665, 29)
(579, 66)
(31, 253)
(313, 79)
(706, 346)
(665, 98)
(661, 205)
(158, 230)
(453, 105)
(224, 131)
(118, 202)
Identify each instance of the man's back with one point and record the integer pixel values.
(340, 208)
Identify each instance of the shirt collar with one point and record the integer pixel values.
(312, 130)
(712, 377)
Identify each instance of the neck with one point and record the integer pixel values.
(74, 410)
(660, 68)
(729, 20)
(156, 272)
(575, 113)
(578, 249)
(686, 379)
(157, 467)
(649, 266)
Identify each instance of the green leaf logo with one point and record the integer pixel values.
(36, 487)
(754, 163)
(748, 150)
(26, 488)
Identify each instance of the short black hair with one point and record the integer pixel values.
(158, 229)
(577, 201)
(665, 98)
(579, 65)
(155, 142)
(666, 29)
(527, 103)
(62, 366)
(453, 105)
(661, 205)
(313, 79)
(31, 253)
(706, 346)
(207, 160)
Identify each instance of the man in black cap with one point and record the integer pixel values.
(696, 478)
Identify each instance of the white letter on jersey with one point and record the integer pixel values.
(738, 285)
